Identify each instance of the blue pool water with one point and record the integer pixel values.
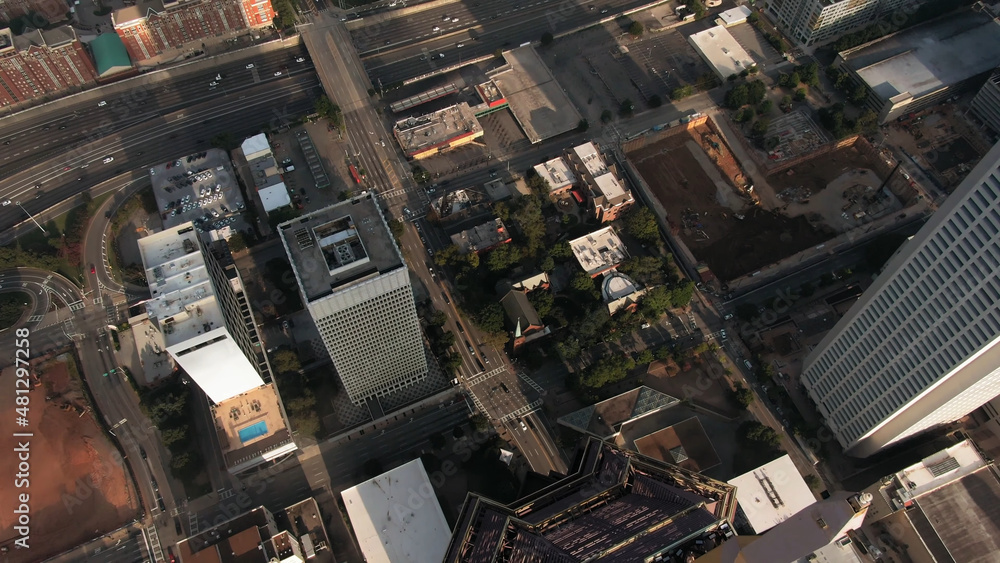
(253, 431)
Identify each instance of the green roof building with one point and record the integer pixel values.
(110, 55)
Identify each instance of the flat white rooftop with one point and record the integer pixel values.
(930, 56)
(182, 300)
(397, 518)
(772, 493)
(940, 469)
(721, 51)
(591, 158)
(274, 197)
(610, 187)
(255, 146)
(557, 172)
(734, 16)
(599, 251)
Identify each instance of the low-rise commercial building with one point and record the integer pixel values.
(264, 174)
(41, 63)
(150, 27)
(433, 133)
(599, 252)
(721, 51)
(607, 197)
(933, 507)
(558, 174)
(770, 494)
(293, 535)
(396, 516)
(921, 66)
(110, 55)
(481, 238)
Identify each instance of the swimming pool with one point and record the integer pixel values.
(255, 430)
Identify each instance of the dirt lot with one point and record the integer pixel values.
(704, 207)
(78, 486)
(816, 174)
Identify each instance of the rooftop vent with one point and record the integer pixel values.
(948, 465)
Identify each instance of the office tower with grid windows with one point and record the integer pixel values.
(919, 348)
(354, 282)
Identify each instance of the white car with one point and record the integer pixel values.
(436, 29)
(460, 45)
(300, 60)
(101, 103)
(108, 159)
(218, 77)
(213, 83)
(6, 202)
(249, 66)
(454, 20)
(278, 73)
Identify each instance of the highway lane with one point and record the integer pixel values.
(171, 136)
(44, 132)
(415, 48)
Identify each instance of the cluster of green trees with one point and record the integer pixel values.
(641, 224)
(76, 226)
(168, 407)
(807, 74)
(285, 10)
(607, 370)
(743, 395)
(329, 110)
(837, 123)
(748, 93)
(11, 307)
(441, 341)
(298, 398)
(682, 92)
(420, 175)
(753, 431)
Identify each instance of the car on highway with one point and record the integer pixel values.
(142, 453)
(454, 20)
(5, 203)
(62, 126)
(524, 427)
(440, 55)
(93, 269)
(436, 29)
(213, 84)
(445, 18)
(460, 45)
(727, 317)
(300, 60)
(277, 73)
(249, 66)
(108, 159)
(471, 349)
(101, 103)
(443, 294)
(604, 11)
(493, 173)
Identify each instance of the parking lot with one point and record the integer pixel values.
(755, 45)
(200, 188)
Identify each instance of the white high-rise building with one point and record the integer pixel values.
(810, 22)
(919, 348)
(189, 290)
(353, 280)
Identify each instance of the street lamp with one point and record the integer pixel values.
(32, 217)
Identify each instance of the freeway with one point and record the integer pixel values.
(45, 132)
(404, 48)
(169, 135)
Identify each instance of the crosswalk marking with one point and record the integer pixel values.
(532, 383)
(522, 411)
(481, 377)
(35, 318)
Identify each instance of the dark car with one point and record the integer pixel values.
(142, 453)
(93, 270)
(446, 300)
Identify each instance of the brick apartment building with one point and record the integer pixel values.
(38, 62)
(51, 10)
(150, 28)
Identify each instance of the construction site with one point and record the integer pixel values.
(76, 475)
(727, 228)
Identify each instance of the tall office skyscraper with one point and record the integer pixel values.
(356, 286)
(919, 348)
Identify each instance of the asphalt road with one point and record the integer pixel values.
(42, 133)
(49, 330)
(169, 135)
(414, 46)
